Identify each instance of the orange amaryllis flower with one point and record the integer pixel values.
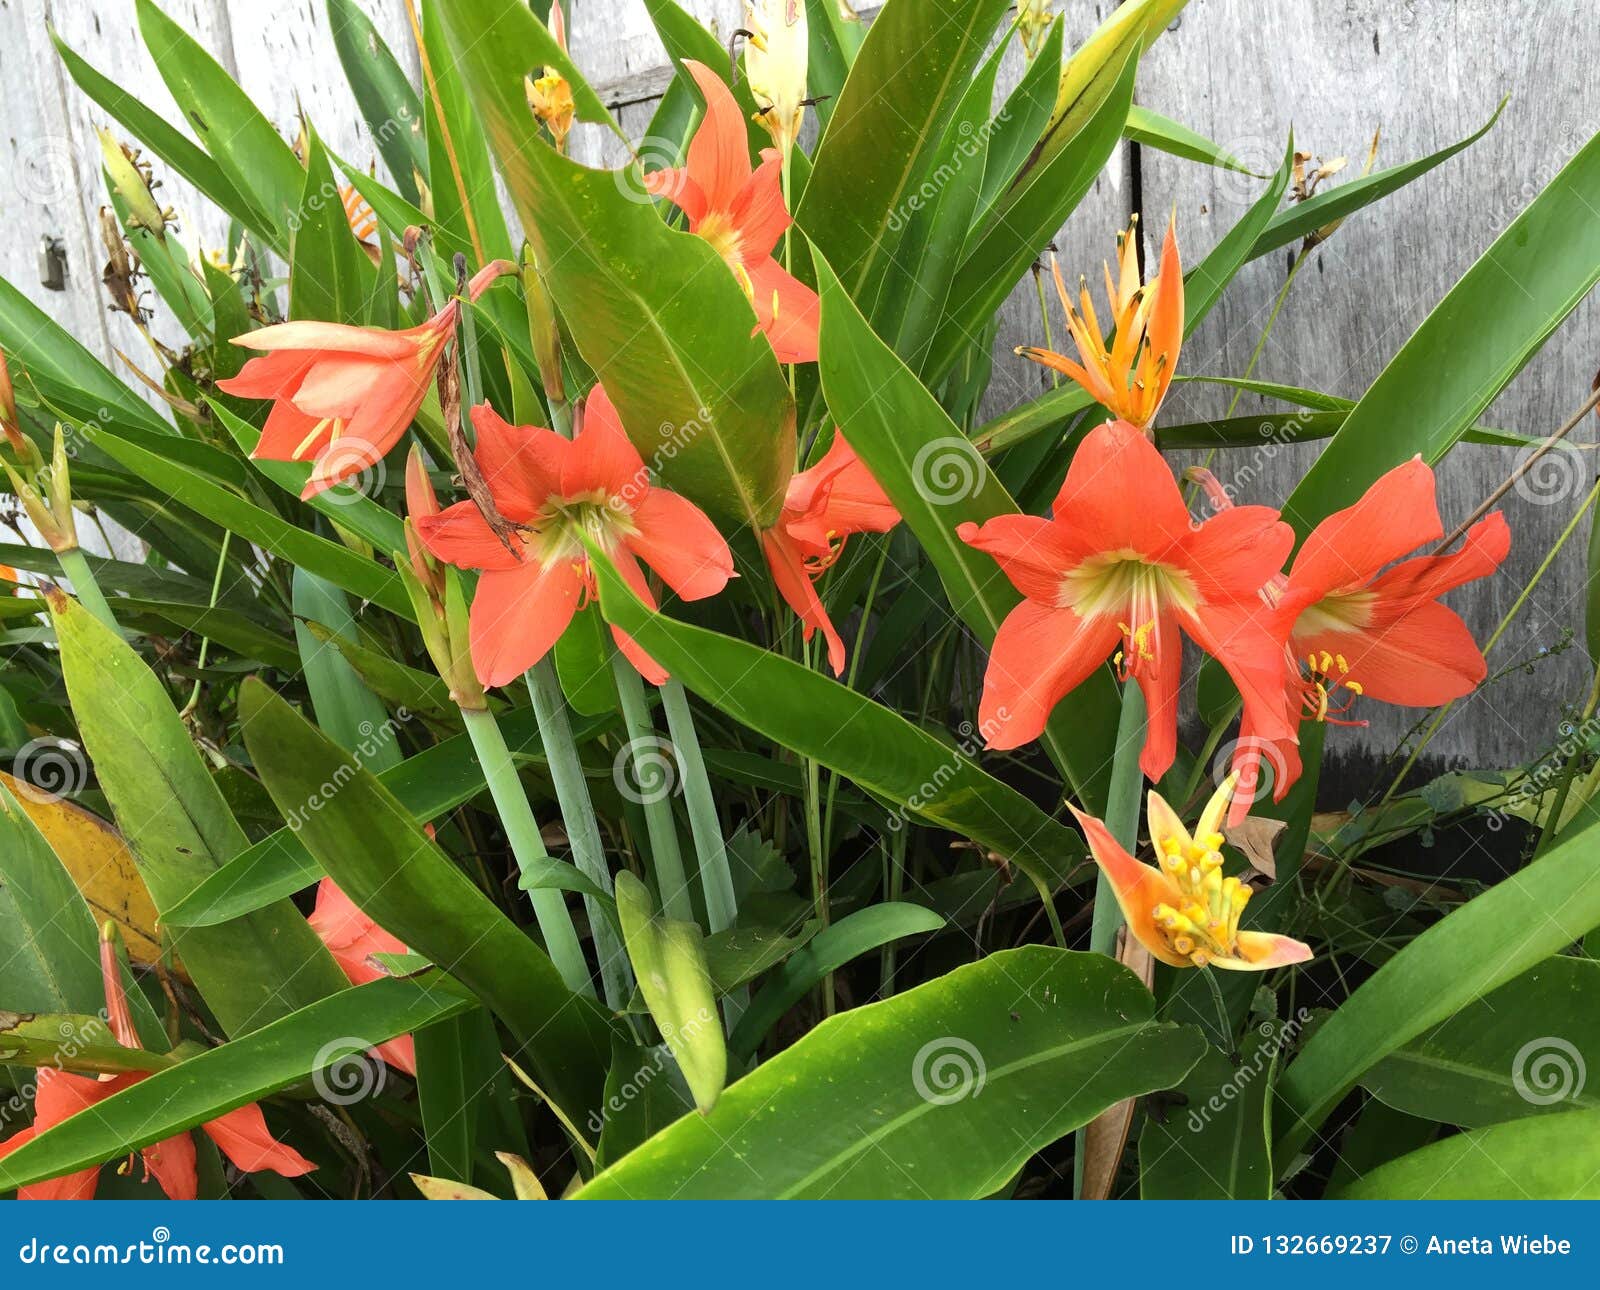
(1182, 909)
(822, 507)
(1122, 568)
(552, 490)
(242, 1134)
(741, 213)
(1130, 375)
(342, 395)
(353, 938)
(10, 427)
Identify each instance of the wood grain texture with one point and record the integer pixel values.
(1428, 72)
(1240, 71)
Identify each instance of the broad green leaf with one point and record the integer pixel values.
(1490, 940)
(371, 846)
(670, 965)
(1028, 213)
(1169, 136)
(1468, 349)
(1017, 128)
(829, 950)
(884, 135)
(655, 312)
(241, 141)
(740, 954)
(48, 940)
(388, 102)
(429, 785)
(1524, 1049)
(1212, 1142)
(864, 741)
(939, 1093)
(220, 1080)
(1303, 218)
(1553, 1157)
(938, 480)
(420, 693)
(458, 1061)
(253, 969)
(644, 1094)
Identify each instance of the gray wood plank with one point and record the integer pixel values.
(1429, 72)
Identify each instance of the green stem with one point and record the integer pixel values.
(76, 570)
(817, 848)
(583, 829)
(1122, 813)
(522, 832)
(666, 859)
(205, 641)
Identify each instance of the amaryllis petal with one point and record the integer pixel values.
(372, 342)
(1031, 551)
(719, 154)
(789, 575)
(244, 1138)
(786, 310)
(676, 539)
(1425, 657)
(1159, 685)
(758, 211)
(633, 575)
(518, 614)
(1395, 516)
(1039, 654)
(1237, 552)
(602, 459)
(521, 464)
(290, 435)
(172, 1163)
(78, 1186)
(1427, 577)
(459, 535)
(1119, 494)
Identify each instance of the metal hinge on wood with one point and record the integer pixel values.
(52, 263)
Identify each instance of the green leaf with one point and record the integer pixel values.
(330, 277)
(419, 693)
(1304, 218)
(834, 946)
(458, 1061)
(1212, 1143)
(644, 1094)
(908, 79)
(48, 940)
(1467, 350)
(220, 1080)
(1524, 919)
(429, 785)
(338, 564)
(670, 964)
(941, 1092)
(389, 105)
(740, 954)
(1033, 208)
(71, 1041)
(371, 846)
(1521, 1050)
(1553, 1157)
(168, 143)
(350, 713)
(861, 740)
(1017, 128)
(1203, 285)
(253, 969)
(228, 125)
(1169, 136)
(938, 480)
(654, 312)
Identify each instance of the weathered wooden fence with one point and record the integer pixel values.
(1427, 72)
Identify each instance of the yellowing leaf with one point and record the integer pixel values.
(100, 863)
